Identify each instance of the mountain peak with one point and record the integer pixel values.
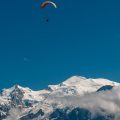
(74, 80)
(79, 80)
(16, 87)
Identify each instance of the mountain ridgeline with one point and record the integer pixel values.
(77, 98)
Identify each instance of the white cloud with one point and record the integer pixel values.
(109, 101)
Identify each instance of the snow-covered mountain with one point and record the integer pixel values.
(65, 101)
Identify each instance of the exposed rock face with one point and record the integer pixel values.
(78, 114)
(16, 97)
(4, 111)
(30, 116)
(104, 88)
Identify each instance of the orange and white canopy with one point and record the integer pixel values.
(44, 4)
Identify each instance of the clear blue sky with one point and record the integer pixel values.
(82, 38)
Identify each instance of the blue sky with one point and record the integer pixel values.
(82, 38)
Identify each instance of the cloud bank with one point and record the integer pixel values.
(105, 102)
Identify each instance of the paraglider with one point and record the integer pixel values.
(47, 20)
(44, 4)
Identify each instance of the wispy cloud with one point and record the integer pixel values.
(25, 59)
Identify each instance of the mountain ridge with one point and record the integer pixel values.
(42, 103)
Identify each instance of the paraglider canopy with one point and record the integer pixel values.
(44, 4)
